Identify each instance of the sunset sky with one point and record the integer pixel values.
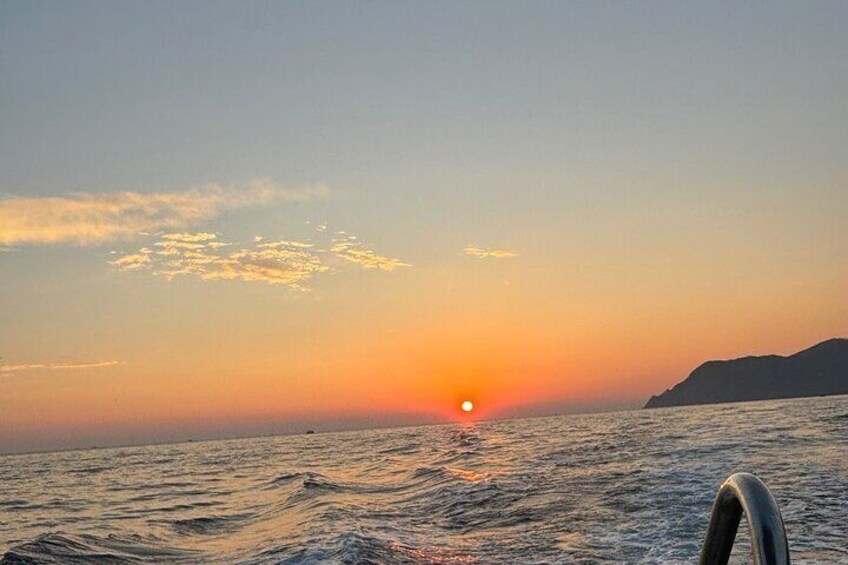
(222, 219)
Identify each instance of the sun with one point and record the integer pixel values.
(467, 406)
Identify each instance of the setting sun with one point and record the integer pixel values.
(467, 406)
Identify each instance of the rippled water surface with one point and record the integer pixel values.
(625, 487)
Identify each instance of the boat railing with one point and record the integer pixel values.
(745, 493)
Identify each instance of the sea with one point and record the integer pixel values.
(625, 487)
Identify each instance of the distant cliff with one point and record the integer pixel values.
(817, 371)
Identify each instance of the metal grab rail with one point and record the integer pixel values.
(745, 492)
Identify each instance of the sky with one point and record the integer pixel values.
(225, 219)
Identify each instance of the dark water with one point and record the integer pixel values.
(633, 487)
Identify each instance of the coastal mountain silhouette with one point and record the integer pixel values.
(818, 371)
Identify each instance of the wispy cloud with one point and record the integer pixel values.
(86, 219)
(285, 262)
(488, 253)
(351, 250)
(9, 370)
(189, 237)
(133, 262)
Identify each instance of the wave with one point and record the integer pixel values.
(209, 525)
(93, 470)
(288, 478)
(360, 548)
(57, 548)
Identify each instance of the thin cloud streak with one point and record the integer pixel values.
(10, 370)
(90, 219)
(488, 253)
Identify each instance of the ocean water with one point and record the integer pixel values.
(628, 487)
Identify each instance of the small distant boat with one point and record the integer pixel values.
(310, 432)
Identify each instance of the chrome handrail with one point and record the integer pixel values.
(745, 492)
